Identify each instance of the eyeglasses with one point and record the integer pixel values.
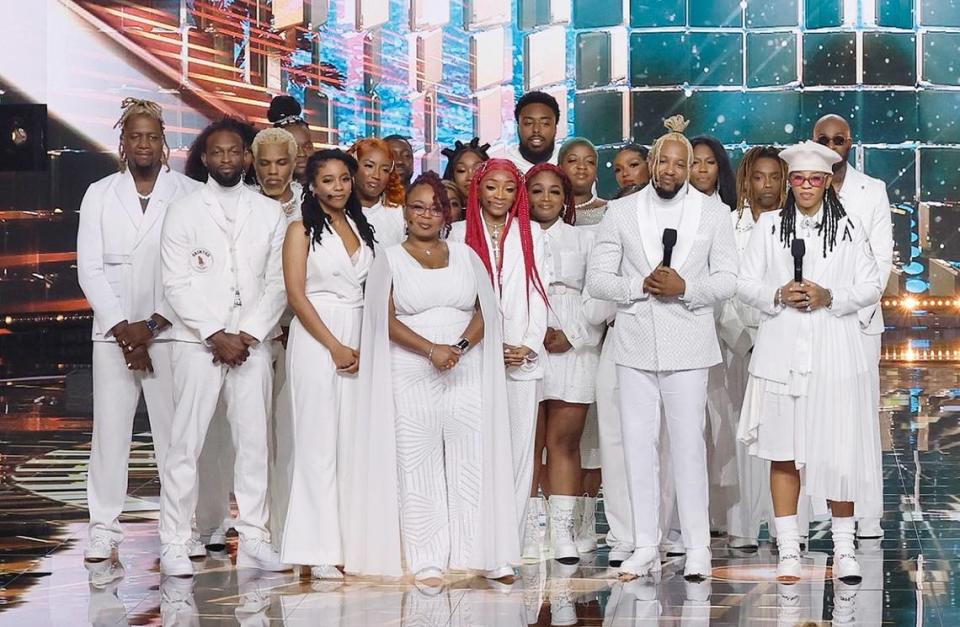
(836, 140)
(426, 212)
(817, 180)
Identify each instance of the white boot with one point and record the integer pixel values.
(644, 561)
(533, 531)
(562, 596)
(587, 532)
(698, 564)
(789, 566)
(845, 565)
(562, 509)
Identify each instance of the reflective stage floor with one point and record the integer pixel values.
(44, 444)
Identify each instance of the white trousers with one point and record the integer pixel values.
(116, 393)
(523, 397)
(215, 476)
(616, 497)
(247, 395)
(873, 508)
(684, 397)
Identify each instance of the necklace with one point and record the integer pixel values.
(593, 199)
(144, 196)
(495, 230)
(427, 251)
(288, 206)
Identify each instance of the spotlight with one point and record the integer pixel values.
(910, 303)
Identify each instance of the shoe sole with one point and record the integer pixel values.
(251, 562)
(568, 561)
(95, 558)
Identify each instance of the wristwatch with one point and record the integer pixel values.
(153, 326)
(462, 345)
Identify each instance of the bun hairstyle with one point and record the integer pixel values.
(284, 111)
(459, 149)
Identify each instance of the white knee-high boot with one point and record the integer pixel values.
(562, 525)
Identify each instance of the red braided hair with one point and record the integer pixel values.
(569, 214)
(520, 211)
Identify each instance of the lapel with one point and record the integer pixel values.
(215, 210)
(244, 209)
(163, 191)
(337, 252)
(646, 225)
(854, 186)
(126, 191)
(688, 227)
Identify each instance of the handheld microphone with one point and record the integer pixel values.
(669, 241)
(797, 249)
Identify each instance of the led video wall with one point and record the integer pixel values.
(745, 71)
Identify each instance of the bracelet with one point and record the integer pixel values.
(430, 354)
(778, 298)
(829, 304)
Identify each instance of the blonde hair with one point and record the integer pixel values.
(270, 136)
(132, 107)
(675, 126)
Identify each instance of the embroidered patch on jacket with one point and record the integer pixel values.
(201, 260)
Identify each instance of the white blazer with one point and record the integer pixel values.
(664, 334)
(118, 248)
(215, 279)
(524, 319)
(849, 271)
(866, 199)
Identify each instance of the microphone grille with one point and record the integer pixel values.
(798, 248)
(669, 237)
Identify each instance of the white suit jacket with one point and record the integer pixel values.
(866, 198)
(217, 279)
(664, 334)
(523, 324)
(849, 271)
(118, 248)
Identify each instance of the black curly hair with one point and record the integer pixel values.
(315, 219)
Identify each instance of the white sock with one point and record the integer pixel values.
(788, 528)
(842, 530)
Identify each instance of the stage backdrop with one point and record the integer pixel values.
(439, 70)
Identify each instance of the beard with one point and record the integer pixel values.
(667, 194)
(537, 157)
(223, 180)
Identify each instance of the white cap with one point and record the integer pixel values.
(809, 156)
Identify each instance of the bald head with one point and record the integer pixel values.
(834, 132)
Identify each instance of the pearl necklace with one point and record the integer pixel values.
(288, 206)
(579, 206)
(144, 197)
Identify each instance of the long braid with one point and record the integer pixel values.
(315, 219)
(519, 212)
(833, 213)
(745, 171)
(132, 107)
(569, 214)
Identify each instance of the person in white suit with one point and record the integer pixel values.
(118, 265)
(221, 269)
(665, 339)
(499, 230)
(865, 198)
(809, 270)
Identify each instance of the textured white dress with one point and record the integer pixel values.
(808, 396)
(569, 376)
(321, 400)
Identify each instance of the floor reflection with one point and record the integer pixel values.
(44, 443)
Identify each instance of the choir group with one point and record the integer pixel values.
(409, 375)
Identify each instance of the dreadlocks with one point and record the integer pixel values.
(745, 171)
(676, 125)
(132, 107)
(833, 212)
(315, 219)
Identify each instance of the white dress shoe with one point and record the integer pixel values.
(698, 564)
(869, 528)
(99, 549)
(175, 562)
(672, 545)
(643, 562)
(195, 548)
(258, 553)
(846, 568)
(618, 553)
(499, 573)
(104, 572)
(325, 571)
(737, 542)
(217, 540)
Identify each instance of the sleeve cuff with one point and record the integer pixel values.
(207, 332)
(636, 289)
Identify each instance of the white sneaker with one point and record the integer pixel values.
(99, 549)
(175, 561)
(325, 571)
(499, 573)
(195, 548)
(643, 562)
(258, 553)
(698, 564)
(587, 529)
(533, 532)
(217, 540)
(738, 542)
(672, 545)
(104, 572)
(562, 524)
(177, 605)
(789, 564)
(846, 568)
(618, 553)
(869, 528)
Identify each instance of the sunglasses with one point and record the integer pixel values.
(836, 140)
(817, 180)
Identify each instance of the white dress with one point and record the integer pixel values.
(321, 400)
(433, 486)
(569, 376)
(808, 398)
(387, 222)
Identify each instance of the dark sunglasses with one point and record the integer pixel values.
(836, 140)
